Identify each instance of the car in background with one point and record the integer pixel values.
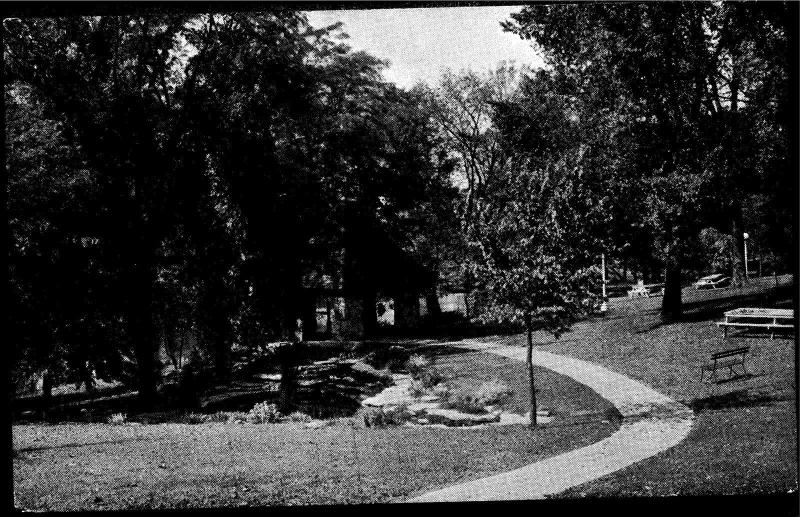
(717, 281)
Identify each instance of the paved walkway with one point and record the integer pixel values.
(652, 423)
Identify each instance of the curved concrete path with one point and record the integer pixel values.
(652, 423)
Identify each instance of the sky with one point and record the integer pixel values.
(421, 43)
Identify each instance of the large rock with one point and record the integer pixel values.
(422, 407)
(453, 418)
(391, 396)
(364, 370)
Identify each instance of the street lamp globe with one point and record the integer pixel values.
(746, 235)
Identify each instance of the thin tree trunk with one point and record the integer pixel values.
(47, 385)
(142, 325)
(529, 362)
(432, 303)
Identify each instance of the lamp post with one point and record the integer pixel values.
(603, 306)
(746, 273)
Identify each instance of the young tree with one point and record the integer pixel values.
(535, 265)
(536, 258)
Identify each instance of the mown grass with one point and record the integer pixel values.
(744, 439)
(95, 466)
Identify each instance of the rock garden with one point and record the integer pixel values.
(426, 395)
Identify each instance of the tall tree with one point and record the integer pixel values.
(679, 69)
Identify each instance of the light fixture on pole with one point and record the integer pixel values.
(746, 273)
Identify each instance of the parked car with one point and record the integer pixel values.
(713, 282)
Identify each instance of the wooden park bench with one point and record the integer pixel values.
(725, 359)
(750, 318)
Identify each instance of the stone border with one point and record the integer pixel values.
(652, 423)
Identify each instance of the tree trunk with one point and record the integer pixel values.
(432, 302)
(47, 385)
(369, 315)
(143, 332)
(222, 368)
(86, 377)
(672, 305)
(529, 362)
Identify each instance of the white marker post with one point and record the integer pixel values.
(603, 306)
(746, 272)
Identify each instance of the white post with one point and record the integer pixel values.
(746, 273)
(603, 306)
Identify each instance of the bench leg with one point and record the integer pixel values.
(724, 332)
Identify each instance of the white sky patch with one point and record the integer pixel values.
(421, 43)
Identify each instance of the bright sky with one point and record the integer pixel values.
(421, 43)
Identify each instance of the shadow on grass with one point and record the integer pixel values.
(75, 445)
(703, 310)
(734, 399)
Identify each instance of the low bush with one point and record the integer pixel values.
(493, 392)
(440, 391)
(430, 377)
(232, 417)
(196, 418)
(396, 415)
(263, 413)
(373, 417)
(118, 419)
(299, 416)
(417, 388)
(416, 365)
(489, 393)
(464, 402)
(386, 416)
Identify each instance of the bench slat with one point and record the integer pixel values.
(767, 325)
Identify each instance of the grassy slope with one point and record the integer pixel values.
(90, 466)
(745, 437)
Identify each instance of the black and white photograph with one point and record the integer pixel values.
(281, 255)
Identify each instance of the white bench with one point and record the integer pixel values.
(758, 318)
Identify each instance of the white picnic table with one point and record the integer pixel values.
(645, 290)
(766, 318)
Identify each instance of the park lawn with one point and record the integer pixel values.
(99, 466)
(744, 438)
(748, 450)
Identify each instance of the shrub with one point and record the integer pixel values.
(219, 416)
(373, 417)
(465, 402)
(299, 416)
(196, 418)
(263, 413)
(385, 416)
(416, 365)
(396, 415)
(417, 388)
(430, 377)
(441, 391)
(118, 419)
(233, 417)
(492, 392)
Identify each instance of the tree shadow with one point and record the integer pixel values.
(704, 310)
(87, 444)
(733, 399)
